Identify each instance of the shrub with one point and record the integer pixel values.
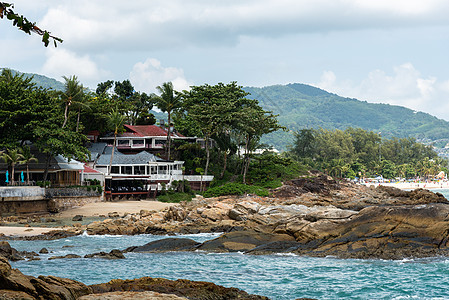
(235, 189)
(175, 197)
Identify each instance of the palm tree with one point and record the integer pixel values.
(28, 157)
(168, 102)
(12, 157)
(73, 92)
(116, 121)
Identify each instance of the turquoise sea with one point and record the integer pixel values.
(275, 276)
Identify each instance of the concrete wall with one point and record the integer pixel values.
(36, 200)
(64, 203)
(23, 193)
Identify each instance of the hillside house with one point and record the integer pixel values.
(141, 174)
(150, 138)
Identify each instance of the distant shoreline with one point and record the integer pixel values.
(411, 185)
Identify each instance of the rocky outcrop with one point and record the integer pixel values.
(388, 233)
(132, 296)
(64, 256)
(242, 241)
(181, 287)
(12, 254)
(14, 284)
(313, 212)
(169, 244)
(113, 254)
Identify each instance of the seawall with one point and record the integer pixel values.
(37, 200)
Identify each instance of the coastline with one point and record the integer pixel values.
(96, 209)
(410, 185)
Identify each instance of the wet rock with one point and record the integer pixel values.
(8, 252)
(65, 256)
(113, 254)
(181, 287)
(14, 284)
(169, 244)
(77, 218)
(44, 251)
(241, 241)
(391, 232)
(274, 247)
(132, 296)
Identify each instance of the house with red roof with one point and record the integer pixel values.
(151, 138)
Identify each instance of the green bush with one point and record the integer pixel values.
(175, 197)
(235, 189)
(43, 183)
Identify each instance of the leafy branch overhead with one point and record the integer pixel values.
(6, 9)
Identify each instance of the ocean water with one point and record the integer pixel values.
(275, 276)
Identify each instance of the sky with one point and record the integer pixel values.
(382, 51)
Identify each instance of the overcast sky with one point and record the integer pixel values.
(387, 51)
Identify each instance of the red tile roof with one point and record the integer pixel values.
(148, 130)
(88, 169)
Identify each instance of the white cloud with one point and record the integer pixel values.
(146, 76)
(161, 24)
(61, 62)
(406, 86)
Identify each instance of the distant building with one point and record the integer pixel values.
(150, 138)
(61, 171)
(140, 174)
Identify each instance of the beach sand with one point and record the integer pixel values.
(413, 185)
(121, 207)
(89, 210)
(23, 231)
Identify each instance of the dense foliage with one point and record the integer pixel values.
(302, 106)
(233, 188)
(361, 153)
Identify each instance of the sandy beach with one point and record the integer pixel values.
(121, 207)
(412, 185)
(89, 210)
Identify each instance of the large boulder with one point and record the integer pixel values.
(242, 241)
(14, 283)
(113, 254)
(184, 288)
(169, 244)
(391, 232)
(131, 296)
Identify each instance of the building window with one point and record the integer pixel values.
(162, 169)
(153, 170)
(123, 142)
(115, 169)
(127, 170)
(139, 170)
(159, 143)
(138, 143)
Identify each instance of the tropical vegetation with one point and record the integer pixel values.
(231, 123)
(359, 153)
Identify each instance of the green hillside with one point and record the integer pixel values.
(303, 106)
(43, 81)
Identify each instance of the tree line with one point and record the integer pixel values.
(359, 153)
(57, 122)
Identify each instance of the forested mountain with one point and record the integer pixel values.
(43, 81)
(304, 106)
